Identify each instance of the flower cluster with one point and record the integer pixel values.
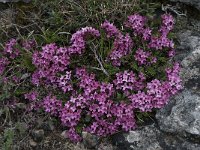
(52, 105)
(33, 100)
(71, 112)
(122, 43)
(136, 22)
(9, 53)
(10, 49)
(142, 57)
(84, 100)
(3, 63)
(53, 59)
(31, 96)
(95, 103)
(167, 24)
(161, 42)
(122, 47)
(174, 79)
(158, 92)
(72, 134)
(78, 39)
(128, 81)
(49, 62)
(111, 30)
(124, 119)
(64, 82)
(29, 44)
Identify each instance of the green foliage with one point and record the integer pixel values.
(5, 94)
(8, 139)
(53, 20)
(26, 61)
(151, 71)
(142, 117)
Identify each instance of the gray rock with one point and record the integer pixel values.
(105, 146)
(195, 3)
(38, 135)
(188, 53)
(47, 126)
(151, 138)
(183, 116)
(6, 1)
(32, 143)
(89, 140)
(146, 138)
(78, 146)
(64, 134)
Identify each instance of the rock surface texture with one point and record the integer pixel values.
(178, 124)
(195, 3)
(151, 138)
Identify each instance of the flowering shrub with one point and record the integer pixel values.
(99, 81)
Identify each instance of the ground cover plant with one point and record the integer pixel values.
(101, 79)
(45, 22)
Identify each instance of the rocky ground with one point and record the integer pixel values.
(176, 127)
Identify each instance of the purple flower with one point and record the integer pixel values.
(64, 82)
(167, 23)
(31, 96)
(10, 49)
(3, 64)
(171, 53)
(128, 81)
(52, 105)
(49, 62)
(73, 135)
(160, 43)
(136, 22)
(29, 44)
(78, 39)
(142, 56)
(110, 29)
(146, 33)
(122, 47)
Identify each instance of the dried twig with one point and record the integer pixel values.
(99, 61)
(173, 9)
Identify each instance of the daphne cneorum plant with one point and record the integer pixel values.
(98, 82)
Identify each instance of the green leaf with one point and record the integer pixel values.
(135, 66)
(79, 129)
(151, 71)
(8, 139)
(26, 62)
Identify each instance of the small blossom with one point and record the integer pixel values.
(111, 30)
(136, 22)
(122, 47)
(32, 96)
(141, 56)
(52, 105)
(73, 135)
